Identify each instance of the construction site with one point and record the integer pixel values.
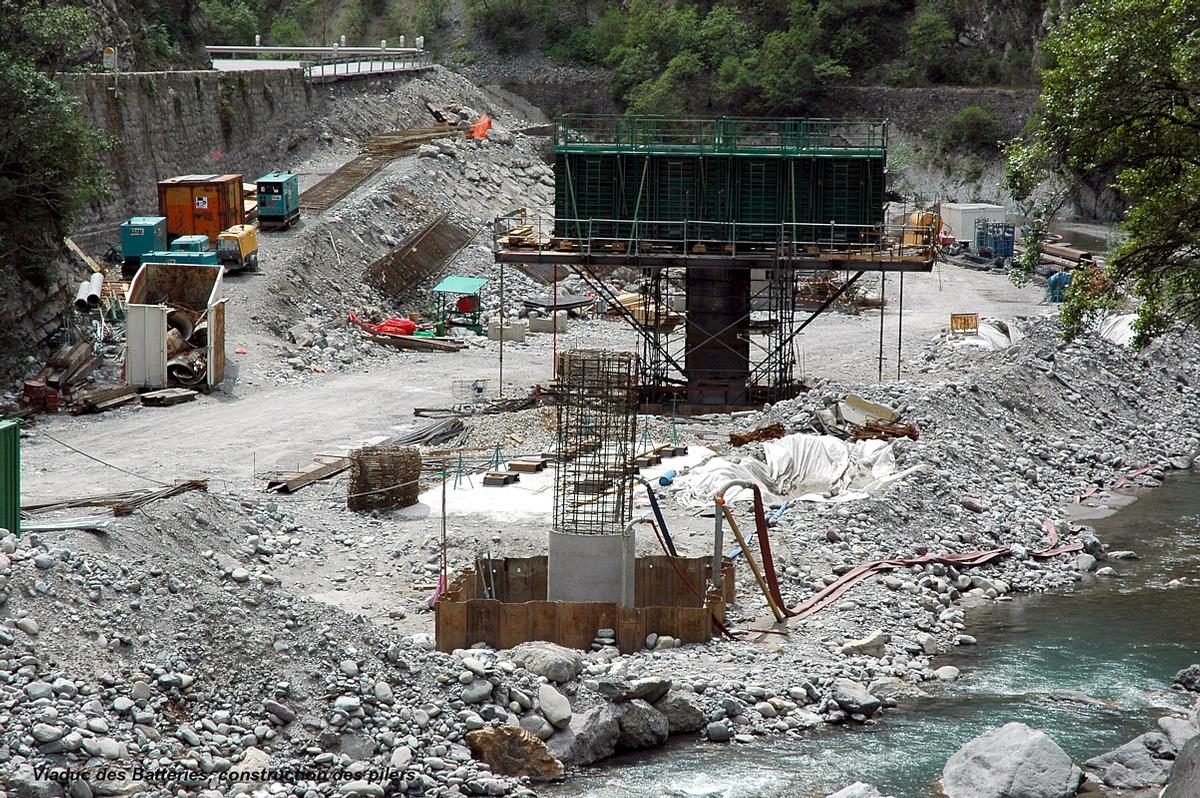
(464, 450)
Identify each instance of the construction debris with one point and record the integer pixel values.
(767, 433)
(90, 523)
(121, 503)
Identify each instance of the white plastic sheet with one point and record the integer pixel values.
(994, 335)
(1118, 328)
(812, 468)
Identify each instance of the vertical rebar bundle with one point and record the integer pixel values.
(597, 434)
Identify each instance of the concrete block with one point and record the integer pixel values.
(545, 324)
(514, 331)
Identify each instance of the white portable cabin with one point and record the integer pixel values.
(958, 218)
(156, 290)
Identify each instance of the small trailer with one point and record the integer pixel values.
(175, 327)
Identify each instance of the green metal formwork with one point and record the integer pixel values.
(10, 475)
(731, 181)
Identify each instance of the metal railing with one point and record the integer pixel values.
(332, 68)
(300, 53)
(330, 63)
(787, 136)
(785, 240)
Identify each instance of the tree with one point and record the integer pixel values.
(233, 21)
(1122, 96)
(930, 46)
(49, 156)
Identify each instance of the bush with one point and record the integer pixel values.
(974, 129)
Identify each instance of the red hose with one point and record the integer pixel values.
(850, 578)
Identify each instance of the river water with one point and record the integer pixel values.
(1117, 640)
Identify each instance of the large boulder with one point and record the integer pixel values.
(683, 712)
(852, 697)
(1189, 678)
(890, 688)
(1178, 730)
(554, 705)
(1013, 761)
(512, 751)
(554, 662)
(1144, 761)
(648, 689)
(1185, 775)
(642, 726)
(589, 737)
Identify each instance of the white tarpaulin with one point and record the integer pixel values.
(816, 468)
(993, 335)
(1118, 328)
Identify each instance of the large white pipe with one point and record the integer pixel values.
(95, 285)
(81, 296)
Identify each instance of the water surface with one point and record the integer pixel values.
(1118, 641)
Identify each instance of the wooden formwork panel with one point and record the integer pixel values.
(666, 606)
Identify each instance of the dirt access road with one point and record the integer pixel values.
(251, 424)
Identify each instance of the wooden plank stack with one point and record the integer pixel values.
(100, 399)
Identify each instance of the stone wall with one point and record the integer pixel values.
(197, 122)
(924, 111)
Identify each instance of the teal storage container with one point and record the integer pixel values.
(196, 243)
(180, 256)
(10, 476)
(278, 200)
(139, 235)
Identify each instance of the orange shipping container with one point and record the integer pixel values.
(201, 204)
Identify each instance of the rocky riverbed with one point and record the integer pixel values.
(172, 645)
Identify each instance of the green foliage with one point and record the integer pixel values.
(47, 178)
(930, 46)
(429, 16)
(285, 32)
(510, 24)
(974, 128)
(1120, 98)
(225, 108)
(51, 36)
(353, 22)
(233, 21)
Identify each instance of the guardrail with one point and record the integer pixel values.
(333, 68)
(516, 231)
(331, 63)
(331, 51)
(579, 132)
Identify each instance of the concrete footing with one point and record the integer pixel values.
(591, 568)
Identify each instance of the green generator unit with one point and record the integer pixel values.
(278, 200)
(718, 183)
(182, 256)
(139, 235)
(196, 243)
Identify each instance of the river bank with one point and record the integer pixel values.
(273, 669)
(1091, 664)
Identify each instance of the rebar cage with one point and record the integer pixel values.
(597, 434)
